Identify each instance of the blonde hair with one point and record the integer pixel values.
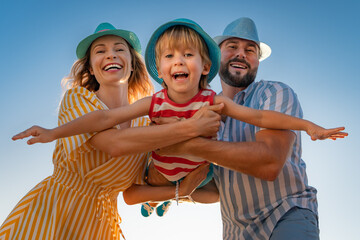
(139, 83)
(182, 36)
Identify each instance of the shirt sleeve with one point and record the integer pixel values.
(77, 102)
(281, 98)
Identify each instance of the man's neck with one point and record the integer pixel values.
(230, 91)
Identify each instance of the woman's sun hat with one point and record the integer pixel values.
(214, 50)
(244, 28)
(107, 29)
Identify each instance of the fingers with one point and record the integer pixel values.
(338, 135)
(216, 108)
(33, 140)
(27, 133)
(332, 134)
(165, 120)
(335, 130)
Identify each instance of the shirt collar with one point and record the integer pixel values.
(247, 91)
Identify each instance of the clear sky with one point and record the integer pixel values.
(316, 51)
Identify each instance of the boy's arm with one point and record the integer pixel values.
(276, 120)
(92, 122)
(100, 120)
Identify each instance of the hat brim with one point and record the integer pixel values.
(130, 37)
(265, 49)
(150, 55)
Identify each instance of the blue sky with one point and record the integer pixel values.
(315, 50)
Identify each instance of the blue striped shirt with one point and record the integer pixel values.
(251, 207)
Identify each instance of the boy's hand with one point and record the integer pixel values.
(39, 134)
(319, 133)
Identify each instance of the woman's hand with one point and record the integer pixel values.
(39, 134)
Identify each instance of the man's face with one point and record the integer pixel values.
(239, 62)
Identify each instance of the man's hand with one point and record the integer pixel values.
(206, 121)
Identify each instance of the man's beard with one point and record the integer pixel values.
(237, 80)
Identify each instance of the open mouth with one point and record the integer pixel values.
(180, 75)
(112, 66)
(238, 65)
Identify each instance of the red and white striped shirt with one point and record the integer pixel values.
(175, 168)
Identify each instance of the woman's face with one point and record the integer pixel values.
(110, 60)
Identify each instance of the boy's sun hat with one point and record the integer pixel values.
(244, 28)
(107, 29)
(214, 50)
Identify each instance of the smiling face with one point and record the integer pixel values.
(181, 70)
(239, 62)
(110, 60)
(183, 62)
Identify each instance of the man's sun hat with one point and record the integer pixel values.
(107, 29)
(244, 28)
(214, 50)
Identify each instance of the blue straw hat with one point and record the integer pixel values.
(107, 29)
(214, 50)
(244, 28)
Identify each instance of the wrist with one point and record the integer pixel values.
(189, 126)
(53, 134)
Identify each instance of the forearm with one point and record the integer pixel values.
(91, 122)
(263, 158)
(262, 118)
(100, 120)
(143, 139)
(277, 120)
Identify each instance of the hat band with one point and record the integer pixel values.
(103, 30)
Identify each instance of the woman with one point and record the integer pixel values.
(79, 200)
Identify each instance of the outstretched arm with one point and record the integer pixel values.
(205, 122)
(277, 120)
(92, 122)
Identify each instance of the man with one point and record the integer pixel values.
(259, 172)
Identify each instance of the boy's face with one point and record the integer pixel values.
(181, 69)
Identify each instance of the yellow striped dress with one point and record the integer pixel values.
(79, 201)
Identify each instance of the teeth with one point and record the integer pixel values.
(237, 66)
(116, 66)
(180, 75)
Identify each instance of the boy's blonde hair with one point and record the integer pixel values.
(139, 83)
(182, 36)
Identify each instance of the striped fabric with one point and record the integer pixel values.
(79, 201)
(251, 207)
(175, 168)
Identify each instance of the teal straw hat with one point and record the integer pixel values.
(107, 29)
(244, 28)
(214, 50)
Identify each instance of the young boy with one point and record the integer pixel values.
(183, 58)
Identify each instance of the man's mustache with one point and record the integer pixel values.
(239, 61)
